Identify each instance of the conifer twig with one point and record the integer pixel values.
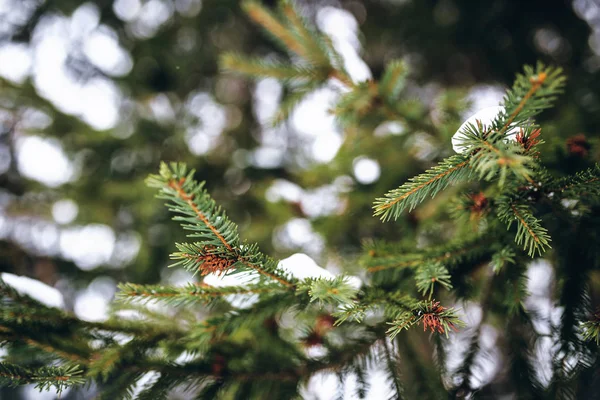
(220, 250)
(420, 187)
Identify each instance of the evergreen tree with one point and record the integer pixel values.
(485, 215)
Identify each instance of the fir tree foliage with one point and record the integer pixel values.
(44, 378)
(220, 251)
(491, 156)
(199, 339)
(314, 63)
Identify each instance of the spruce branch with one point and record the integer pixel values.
(492, 157)
(392, 303)
(281, 33)
(261, 68)
(500, 259)
(432, 315)
(430, 274)
(44, 378)
(220, 250)
(317, 48)
(381, 256)
(492, 154)
(591, 329)
(392, 80)
(532, 92)
(428, 184)
(332, 291)
(584, 184)
(191, 293)
(530, 233)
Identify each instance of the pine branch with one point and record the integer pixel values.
(316, 49)
(591, 328)
(191, 293)
(532, 92)
(409, 195)
(261, 68)
(490, 153)
(500, 259)
(393, 304)
(493, 158)
(585, 184)
(44, 378)
(220, 250)
(432, 315)
(382, 256)
(530, 234)
(392, 80)
(430, 274)
(261, 16)
(329, 291)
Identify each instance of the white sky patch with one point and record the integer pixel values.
(102, 48)
(161, 108)
(30, 392)
(326, 146)
(43, 160)
(203, 136)
(281, 189)
(33, 288)
(457, 344)
(389, 128)
(88, 246)
(313, 121)
(91, 306)
(188, 8)
(539, 277)
(483, 96)
(144, 380)
(267, 157)
(366, 170)
(297, 233)
(127, 247)
(84, 20)
(342, 27)
(267, 96)
(323, 386)
(32, 118)
(320, 202)
(151, 17)
(312, 117)
(56, 38)
(176, 277)
(34, 234)
(64, 211)
(15, 62)
(100, 101)
(127, 10)
(546, 316)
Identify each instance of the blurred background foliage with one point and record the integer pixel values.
(94, 94)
